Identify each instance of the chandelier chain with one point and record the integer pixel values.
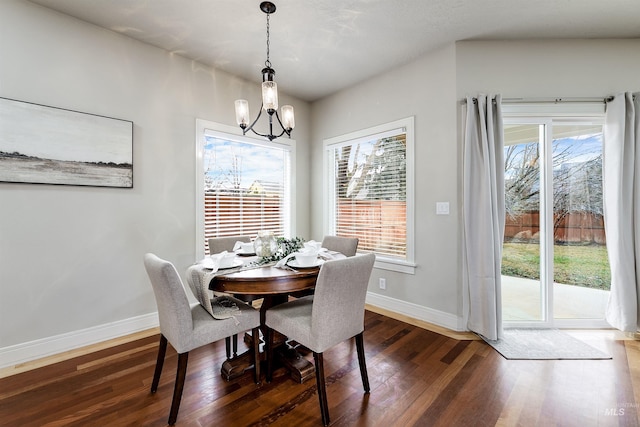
(267, 62)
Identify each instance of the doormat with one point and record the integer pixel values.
(543, 344)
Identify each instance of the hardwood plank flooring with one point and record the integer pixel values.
(418, 378)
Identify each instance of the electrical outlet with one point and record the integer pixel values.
(442, 208)
(383, 283)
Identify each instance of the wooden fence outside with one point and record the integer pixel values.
(381, 225)
(574, 227)
(241, 214)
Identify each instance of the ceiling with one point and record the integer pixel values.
(322, 46)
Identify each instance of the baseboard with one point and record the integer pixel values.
(404, 310)
(32, 350)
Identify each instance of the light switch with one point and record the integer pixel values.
(442, 208)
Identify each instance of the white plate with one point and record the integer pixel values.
(243, 253)
(208, 264)
(295, 264)
(236, 263)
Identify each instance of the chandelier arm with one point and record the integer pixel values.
(270, 135)
(264, 135)
(250, 127)
(284, 130)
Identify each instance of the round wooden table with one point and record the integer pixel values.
(275, 286)
(263, 281)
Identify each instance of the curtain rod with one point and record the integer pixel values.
(548, 100)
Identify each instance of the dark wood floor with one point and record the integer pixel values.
(417, 378)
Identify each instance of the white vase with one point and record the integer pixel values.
(265, 244)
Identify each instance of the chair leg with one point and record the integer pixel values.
(178, 387)
(227, 342)
(269, 345)
(322, 390)
(256, 353)
(362, 362)
(162, 350)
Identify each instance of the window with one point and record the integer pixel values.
(554, 267)
(243, 184)
(369, 191)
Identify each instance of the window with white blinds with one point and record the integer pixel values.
(246, 186)
(369, 189)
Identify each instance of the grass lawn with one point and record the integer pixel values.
(581, 265)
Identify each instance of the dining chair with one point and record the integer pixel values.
(217, 245)
(187, 328)
(345, 245)
(334, 314)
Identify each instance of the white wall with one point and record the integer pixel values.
(425, 89)
(431, 88)
(549, 68)
(71, 257)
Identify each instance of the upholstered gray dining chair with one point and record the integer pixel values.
(334, 314)
(345, 245)
(217, 245)
(187, 328)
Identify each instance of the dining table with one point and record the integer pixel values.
(273, 285)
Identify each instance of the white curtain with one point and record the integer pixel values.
(621, 188)
(483, 213)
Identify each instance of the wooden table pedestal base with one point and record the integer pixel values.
(284, 354)
(299, 368)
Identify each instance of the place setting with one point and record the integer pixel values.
(244, 249)
(221, 261)
(311, 255)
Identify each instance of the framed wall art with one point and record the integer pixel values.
(48, 145)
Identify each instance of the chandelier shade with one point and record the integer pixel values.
(269, 98)
(242, 112)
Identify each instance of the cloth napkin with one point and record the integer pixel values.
(328, 255)
(237, 245)
(210, 263)
(284, 260)
(312, 244)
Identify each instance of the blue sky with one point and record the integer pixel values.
(582, 148)
(255, 162)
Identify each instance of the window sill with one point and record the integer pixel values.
(395, 265)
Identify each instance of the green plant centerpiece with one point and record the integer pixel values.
(285, 247)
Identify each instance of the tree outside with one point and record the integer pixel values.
(580, 256)
(372, 170)
(370, 193)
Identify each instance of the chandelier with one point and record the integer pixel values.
(269, 97)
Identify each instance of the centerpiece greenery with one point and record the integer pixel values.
(285, 247)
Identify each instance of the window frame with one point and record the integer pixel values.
(403, 265)
(548, 115)
(206, 127)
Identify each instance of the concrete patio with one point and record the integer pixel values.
(521, 301)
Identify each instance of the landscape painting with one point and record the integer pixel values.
(47, 145)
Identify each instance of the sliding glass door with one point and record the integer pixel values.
(555, 268)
